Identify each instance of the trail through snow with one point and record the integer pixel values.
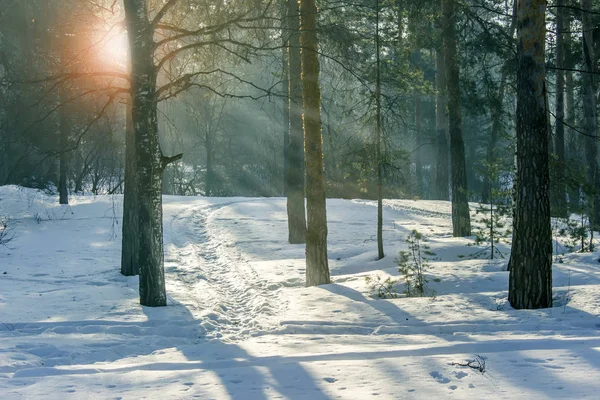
(241, 325)
(240, 302)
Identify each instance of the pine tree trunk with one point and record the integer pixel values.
(461, 218)
(130, 241)
(559, 197)
(380, 252)
(573, 148)
(317, 267)
(530, 283)
(295, 195)
(441, 122)
(149, 159)
(590, 117)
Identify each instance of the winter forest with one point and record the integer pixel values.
(299, 199)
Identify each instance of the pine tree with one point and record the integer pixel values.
(461, 218)
(317, 267)
(530, 283)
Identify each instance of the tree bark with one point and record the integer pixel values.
(590, 117)
(317, 267)
(441, 121)
(150, 162)
(461, 218)
(530, 282)
(295, 186)
(130, 241)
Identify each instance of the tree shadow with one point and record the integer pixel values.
(78, 350)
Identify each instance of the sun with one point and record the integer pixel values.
(113, 49)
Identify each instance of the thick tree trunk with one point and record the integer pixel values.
(380, 252)
(559, 197)
(295, 187)
(150, 162)
(461, 218)
(530, 284)
(130, 242)
(317, 267)
(441, 122)
(590, 117)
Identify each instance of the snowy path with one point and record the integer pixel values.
(241, 303)
(240, 324)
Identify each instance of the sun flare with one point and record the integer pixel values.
(112, 49)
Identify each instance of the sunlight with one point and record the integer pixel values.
(112, 49)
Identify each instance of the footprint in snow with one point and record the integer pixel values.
(439, 377)
(330, 380)
(460, 374)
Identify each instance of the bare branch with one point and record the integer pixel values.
(163, 11)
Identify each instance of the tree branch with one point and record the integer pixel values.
(163, 11)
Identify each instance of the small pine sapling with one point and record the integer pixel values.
(5, 233)
(494, 227)
(384, 289)
(493, 215)
(412, 265)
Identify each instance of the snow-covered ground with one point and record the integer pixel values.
(241, 324)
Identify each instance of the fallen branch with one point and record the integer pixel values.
(478, 363)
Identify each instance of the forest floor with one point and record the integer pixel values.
(240, 323)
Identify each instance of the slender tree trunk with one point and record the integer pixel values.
(530, 283)
(285, 89)
(380, 252)
(150, 162)
(419, 143)
(64, 130)
(209, 184)
(130, 242)
(560, 195)
(574, 138)
(590, 117)
(441, 122)
(573, 142)
(295, 195)
(461, 218)
(317, 267)
(497, 120)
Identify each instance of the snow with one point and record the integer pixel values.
(240, 324)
